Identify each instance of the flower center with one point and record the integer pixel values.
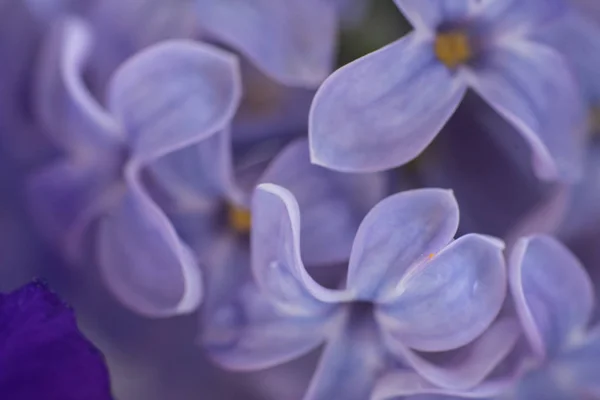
(239, 219)
(453, 48)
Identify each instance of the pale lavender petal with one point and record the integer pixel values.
(175, 94)
(63, 103)
(276, 262)
(429, 14)
(513, 18)
(143, 261)
(533, 88)
(552, 292)
(352, 361)
(467, 366)
(66, 197)
(409, 385)
(252, 334)
(382, 110)
(332, 204)
(294, 42)
(400, 232)
(448, 301)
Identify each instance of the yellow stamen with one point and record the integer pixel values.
(239, 219)
(453, 48)
(431, 255)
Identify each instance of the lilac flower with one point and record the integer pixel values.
(209, 187)
(44, 356)
(382, 110)
(165, 98)
(554, 301)
(408, 289)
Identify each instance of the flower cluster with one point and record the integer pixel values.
(216, 158)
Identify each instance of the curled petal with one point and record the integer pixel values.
(276, 262)
(398, 233)
(250, 334)
(467, 366)
(351, 362)
(429, 14)
(447, 302)
(66, 197)
(332, 204)
(552, 292)
(382, 110)
(409, 385)
(174, 94)
(306, 31)
(533, 88)
(64, 103)
(143, 260)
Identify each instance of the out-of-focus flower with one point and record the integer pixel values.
(409, 288)
(43, 354)
(384, 109)
(554, 300)
(163, 99)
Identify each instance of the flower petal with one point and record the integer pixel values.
(351, 362)
(467, 366)
(516, 18)
(143, 260)
(533, 88)
(174, 94)
(382, 110)
(582, 364)
(399, 232)
(409, 385)
(429, 14)
(66, 197)
(276, 262)
(552, 292)
(306, 31)
(447, 302)
(332, 204)
(43, 353)
(63, 103)
(252, 334)
(577, 38)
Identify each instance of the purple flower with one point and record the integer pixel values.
(382, 110)
(409, 288)
(44, 356)
(165, 98)
(554, 300)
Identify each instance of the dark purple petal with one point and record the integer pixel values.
(44, 356)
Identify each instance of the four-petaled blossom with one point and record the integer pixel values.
(382, 110)
(43, 354)
(554, 301)
(410, 288)
(163, 99)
